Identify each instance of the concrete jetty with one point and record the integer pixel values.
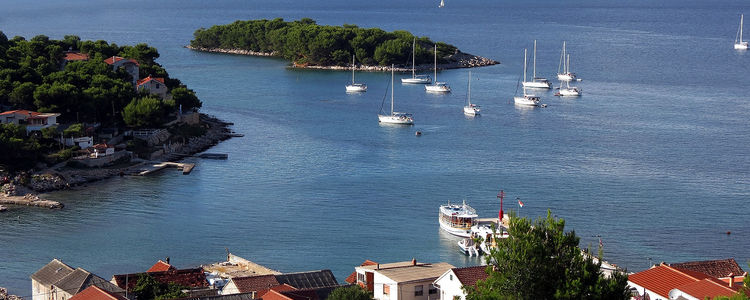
(30, 200)
(185, 167)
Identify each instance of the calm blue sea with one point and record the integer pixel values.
(653, 157)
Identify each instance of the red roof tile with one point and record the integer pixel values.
(115, 59)
(469, 276)
(716, 268)
(707, 288)
(662, 279)
(20, 111)
(255, 283)
(186, 277)
(352, 278)
(149, 78)
(279, 288)
(160, 265)
(71, 56)
(96, 293)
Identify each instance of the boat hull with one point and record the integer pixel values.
(439, 87)
(566, 77)
(400, 120)
(357, 87)
(741, 46)
(455, 231)
(416, 80)
(570, 92)
(524, 101)
(471, 110)
(537, 84)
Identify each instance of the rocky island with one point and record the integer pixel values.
(309, 45)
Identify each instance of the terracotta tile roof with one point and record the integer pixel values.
(70, 56)
(255, 283)
(192, 278)
(278, 288)
(115, 59)
(244, 296)
(707, 288)
(96, 293)
(307, 294)
(51, 272)
(716, 268)
(20, 111)
(308, 280)
(159, 266)
(352, 278)
(149, 78)
(468, 276)
(662, 279)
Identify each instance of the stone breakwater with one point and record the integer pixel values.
(30, 200)
(458, 60)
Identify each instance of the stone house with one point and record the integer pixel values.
(130, 65)
(154, 85)
(58, 281)
(34, 121)
(451, 283)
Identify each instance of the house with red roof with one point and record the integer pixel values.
(154, 85)
(352, 278)
(262, 284)
(96, 293)
(161, 266)
(451, 283)
(130, 65)
(190, 278)
(401, 280)
(306, 294)
(668, 282)
(34, 121)
(720, 268)
(71, 56)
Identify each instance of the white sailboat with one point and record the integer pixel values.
(355, 87)
(563, 68)
(437, 87)
(395, 117)
(738, 43)
(442, 4)
(470, 109)
(567, 90)
(536, 82)
(526, 99)
(416, 79)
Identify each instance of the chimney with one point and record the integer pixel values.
(413, 262)
(378, 267)
(167, 259)
(731, 279)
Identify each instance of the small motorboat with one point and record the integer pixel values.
(3, 208)
(469, 247)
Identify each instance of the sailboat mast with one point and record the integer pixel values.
(413, 60)
(524, 64)
(391, 90)
(469, 89)
(567, 65)
(561, 65)
(742, 19)
(352, 69)
(532, 78)
(435, 64)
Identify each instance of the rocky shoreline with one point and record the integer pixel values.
(60, 178)
(460, 60)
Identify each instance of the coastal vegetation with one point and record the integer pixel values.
(540, 260)
(35, 75)
(306, 43)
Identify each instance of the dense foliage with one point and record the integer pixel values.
(34, 76)
(542, 261)
(352, 292)
(148, 288)
(307, 43)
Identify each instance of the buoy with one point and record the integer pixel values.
(418, 133)
(729, 232)
(544, 105)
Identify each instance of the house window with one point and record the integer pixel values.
(361, 278)
(450, 277)
(433, 290)
(386, 289)
(157, 85)
(418, 290)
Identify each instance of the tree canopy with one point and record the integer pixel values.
(352, 292)
(148, 288)
(541, 261)
(305, 42)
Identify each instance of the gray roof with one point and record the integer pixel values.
(80, 279)
(242, 296)
(51, 272)
(308, 280)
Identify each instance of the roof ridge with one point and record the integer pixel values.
(681, 272)
(725, 286)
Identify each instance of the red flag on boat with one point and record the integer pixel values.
(520, 203)
(600, 243)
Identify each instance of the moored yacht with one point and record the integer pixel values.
(437, 87)
(536, 82)
(563, 68)
(470, 109)
(457, 219)
(415, 79)
(526, 99)
(353, 86)
(738, 43)
(395, 117)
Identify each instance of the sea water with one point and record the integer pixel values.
(653, 157)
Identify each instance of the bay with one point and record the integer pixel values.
(653, 157)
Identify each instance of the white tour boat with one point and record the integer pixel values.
(470, 109)
(355, 87)
(563, 68)
(526, 99)
(457, 219)
(415, 79)
(395, 117)
(738, 43)
(536, 82)
(437, 87)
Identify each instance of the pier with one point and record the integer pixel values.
(30, 200)
(185, 167)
